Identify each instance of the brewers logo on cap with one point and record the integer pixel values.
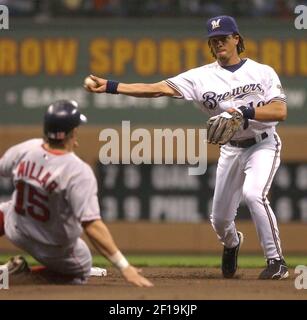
(222, 26)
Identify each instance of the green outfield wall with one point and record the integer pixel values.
(43, 62)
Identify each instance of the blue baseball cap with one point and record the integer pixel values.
(222, 26)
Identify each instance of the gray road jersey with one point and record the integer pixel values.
(53, 193)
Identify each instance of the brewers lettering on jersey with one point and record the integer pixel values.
(248, 162)
(54, 199)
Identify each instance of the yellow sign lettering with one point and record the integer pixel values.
(146, 57)
(206, 52)
(100, 61)
(8, 57)
(60, 56)
(271, 54)
(170, 62)
(30, 57)
(122, 54)
(251, 49)
(190, 47)
(289, 58)
(303, 58)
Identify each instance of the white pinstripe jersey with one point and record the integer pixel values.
(53, 193)
(216, 89)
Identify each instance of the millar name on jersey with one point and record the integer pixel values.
(32, 171)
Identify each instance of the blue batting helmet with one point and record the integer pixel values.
(61, 117)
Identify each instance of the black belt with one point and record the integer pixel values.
(248, 142)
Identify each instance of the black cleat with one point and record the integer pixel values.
(230, 258)
(275, 270)
(17, 265)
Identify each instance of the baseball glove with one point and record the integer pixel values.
(221, 128)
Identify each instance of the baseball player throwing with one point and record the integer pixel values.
(55, 198)
(248, 162)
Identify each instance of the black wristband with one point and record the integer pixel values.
(248, 112)
(112, 86)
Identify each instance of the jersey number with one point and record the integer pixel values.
(35, 200)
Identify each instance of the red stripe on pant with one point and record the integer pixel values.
(1, 223)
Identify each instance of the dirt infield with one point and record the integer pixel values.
(170, 284)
